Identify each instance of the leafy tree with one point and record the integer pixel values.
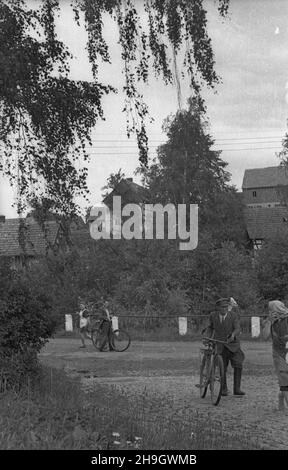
(187, 170)
(272, 267)
(224, 219)
(47, 118)
(221, 271)
(154, 271)
(27, 322)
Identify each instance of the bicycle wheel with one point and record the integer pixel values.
(120, 340)
(204, 375)
(216, 381)
(97, 340)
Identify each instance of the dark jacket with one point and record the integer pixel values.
(222, 331)
(279, 330)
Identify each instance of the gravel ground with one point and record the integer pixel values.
(170, 369)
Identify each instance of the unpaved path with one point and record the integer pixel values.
(170, 369)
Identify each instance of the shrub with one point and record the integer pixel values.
(26, 323)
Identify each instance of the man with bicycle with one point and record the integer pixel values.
(224, 325)
(105, 326)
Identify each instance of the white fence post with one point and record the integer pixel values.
(182, 325)
(255, 327)
(68, 323)
(114, 323)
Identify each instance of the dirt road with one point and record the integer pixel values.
(170, 369)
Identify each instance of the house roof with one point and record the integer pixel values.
(35, 242)
(132, 192)
(265, 222)
(265, 177)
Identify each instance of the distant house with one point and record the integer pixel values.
(130, 193)
(264, 223)
(75, 232)
(23, 240)
(265, 187)
(265, 203)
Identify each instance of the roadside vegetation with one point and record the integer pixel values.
(42, 408)
(53, 412)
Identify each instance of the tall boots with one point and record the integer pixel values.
(286, 397)
(224, 392)
(282, 400)
(237, 381)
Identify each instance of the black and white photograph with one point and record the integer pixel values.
(143, 230)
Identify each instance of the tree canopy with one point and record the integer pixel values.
(46, 118)
(272, 267)
(187, 169)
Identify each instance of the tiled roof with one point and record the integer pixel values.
(135, 187)
(126, 188)
(265, 177)
(35, 242)
(265, 222)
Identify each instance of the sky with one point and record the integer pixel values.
(248, 113)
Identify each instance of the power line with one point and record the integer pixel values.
(226, 150)
(249, 143)
(212, 132)
(252, 138)
(156, 146)
(280, 137)
(117, 153)
(135, 154)
(255, 148)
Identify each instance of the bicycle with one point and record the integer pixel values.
(211, 370)
(92, 327)
(117, 340)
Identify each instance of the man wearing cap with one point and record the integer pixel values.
(224, 325)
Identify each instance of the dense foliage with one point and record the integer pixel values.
(272, 267)
(46, 118)
(188, 170)
(26, 322)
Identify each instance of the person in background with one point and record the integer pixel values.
(276, 326)
(232, 304)
(224, 325)
(105, 326)
(83, 322)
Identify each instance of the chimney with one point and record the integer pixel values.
(130, 179)
(2, 219)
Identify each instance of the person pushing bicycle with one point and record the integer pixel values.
(224, 325)
(105, 326)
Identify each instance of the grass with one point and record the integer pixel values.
(54, 412)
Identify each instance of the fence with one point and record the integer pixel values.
(250, 325)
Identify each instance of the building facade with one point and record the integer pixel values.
(265, 199)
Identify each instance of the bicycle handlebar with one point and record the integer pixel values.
(214, 340)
